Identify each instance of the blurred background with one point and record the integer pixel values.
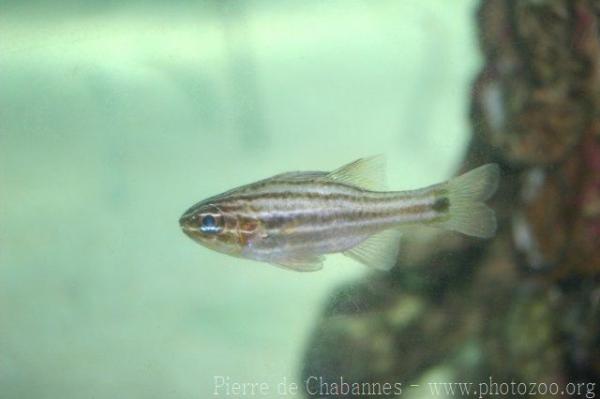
(116, 116)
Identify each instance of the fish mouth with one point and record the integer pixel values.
(192, 233)
(186, 226)
(187, 229)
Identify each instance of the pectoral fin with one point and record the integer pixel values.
(380, 251)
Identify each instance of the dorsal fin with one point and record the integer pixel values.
(366, 173)
(297, 176)
(380, 251)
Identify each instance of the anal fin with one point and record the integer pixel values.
(379, 251)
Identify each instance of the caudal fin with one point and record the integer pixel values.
(466, 196)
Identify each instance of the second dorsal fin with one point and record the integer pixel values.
(366, 173)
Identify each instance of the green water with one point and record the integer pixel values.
(117, 116)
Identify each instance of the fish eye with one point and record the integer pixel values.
(208, 224)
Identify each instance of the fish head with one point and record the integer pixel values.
(218, 226)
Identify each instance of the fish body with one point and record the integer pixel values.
(294, 219)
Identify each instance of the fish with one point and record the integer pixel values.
(294, 219)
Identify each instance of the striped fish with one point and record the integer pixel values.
(293, 219)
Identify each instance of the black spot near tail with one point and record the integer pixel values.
(441, 204)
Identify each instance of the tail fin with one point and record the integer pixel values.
(466, 195)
